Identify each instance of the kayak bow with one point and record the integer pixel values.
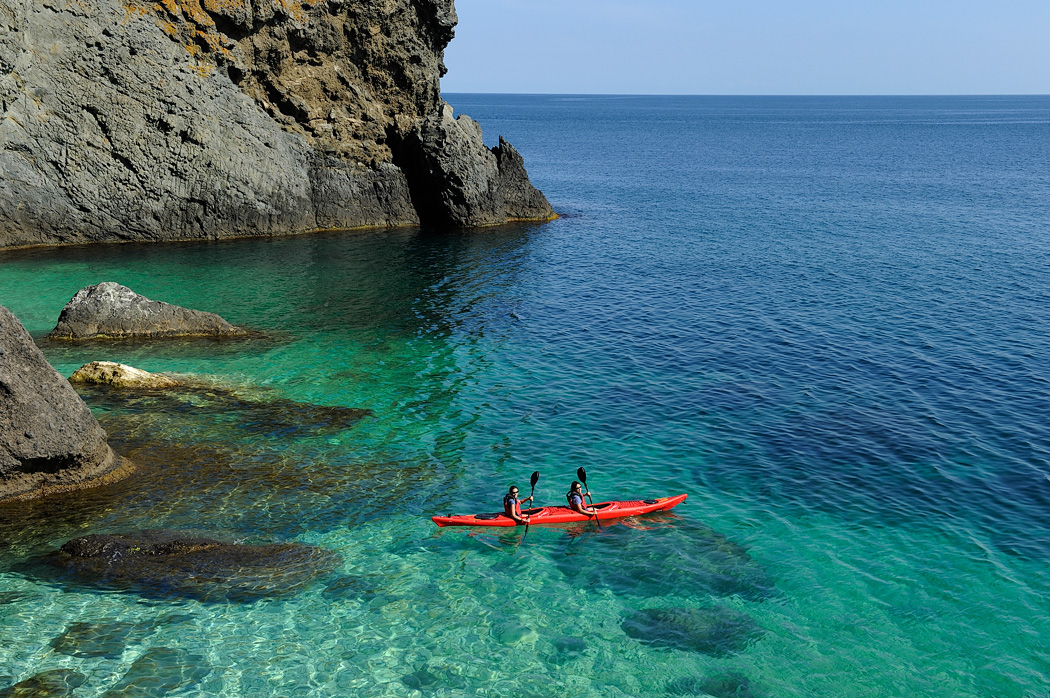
(546, 515)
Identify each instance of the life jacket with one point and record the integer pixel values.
(507, 499)
(574, 493)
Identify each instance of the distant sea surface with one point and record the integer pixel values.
(826, 320)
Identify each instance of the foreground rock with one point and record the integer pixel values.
(202, 119)
(109, 310)
(49, 440)
(174, 563)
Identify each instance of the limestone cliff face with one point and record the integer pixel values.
(188, 119)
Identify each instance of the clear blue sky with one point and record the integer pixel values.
(751, 47)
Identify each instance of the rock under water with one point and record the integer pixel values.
(49, 440)
(714, 630)
(172, 563)
(160, 671)
(54, 683)
(111, 311)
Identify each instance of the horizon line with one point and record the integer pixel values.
(693, 94)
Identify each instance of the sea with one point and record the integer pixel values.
(824, 319)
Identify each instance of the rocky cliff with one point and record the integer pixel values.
(197, 119)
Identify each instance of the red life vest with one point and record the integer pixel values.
(507, 499)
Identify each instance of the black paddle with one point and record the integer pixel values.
(582, 474)
(532, 481)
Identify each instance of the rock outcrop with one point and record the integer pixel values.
(49, 440)
(163, 563)
(203, 119)
(120, 376)
(111, 311)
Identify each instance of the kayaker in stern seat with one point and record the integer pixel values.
(575, 496)
(512, 505)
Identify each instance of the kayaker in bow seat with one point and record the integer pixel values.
(512, 505)
(575, 496)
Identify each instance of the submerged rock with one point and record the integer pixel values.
(173, 563)
(160, 671)
(351, 587)
(254, 411)
(106, 639)
(56, 683)
(715, 630)
(120, 376)
(662, 554)
(731, 685)
(111, 311)
(49, 440)
(567, 649)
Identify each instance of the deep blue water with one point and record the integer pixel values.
(850, 294)
(825, 319)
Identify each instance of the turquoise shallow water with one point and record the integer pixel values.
(826, 320)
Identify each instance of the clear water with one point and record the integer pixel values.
(827, 320)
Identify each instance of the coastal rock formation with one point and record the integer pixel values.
(49, 440)
(109, 310)
(120, 376)
(203, 119)
(184, 564)
(461, 182)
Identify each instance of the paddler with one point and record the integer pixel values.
(512, 505)
(575, 497)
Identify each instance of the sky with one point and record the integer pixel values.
(776, 47)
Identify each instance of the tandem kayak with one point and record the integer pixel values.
(546, 515)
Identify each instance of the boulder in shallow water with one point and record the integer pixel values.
(49, 440)
(111, 311)
(160, 671)
(98, 639)
(715, 630)
(174, 563)
(730, 685)
(55, 683)
(120, 376)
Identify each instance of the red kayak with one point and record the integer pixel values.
(545, 515)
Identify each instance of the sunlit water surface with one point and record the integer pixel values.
(826, 320)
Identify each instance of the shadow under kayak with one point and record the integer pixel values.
(545, 515)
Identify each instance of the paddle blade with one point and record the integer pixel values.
(582, 474)
(535, 478)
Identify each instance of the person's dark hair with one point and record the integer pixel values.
(574, 485)
(512, 487)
